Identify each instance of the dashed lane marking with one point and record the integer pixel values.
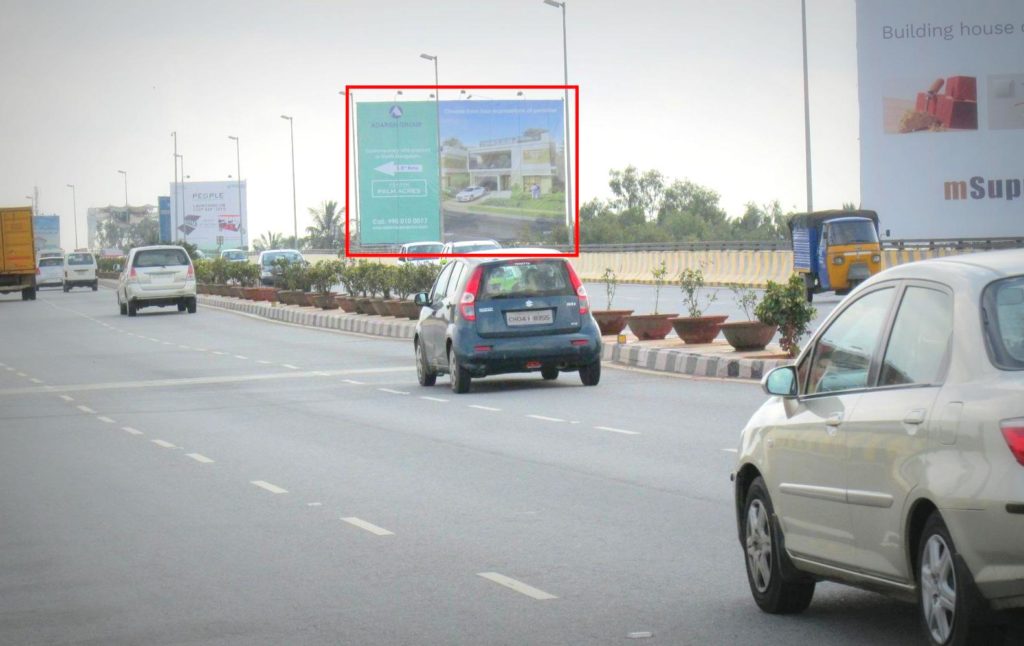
(354, 382)
(434, 399)
(198, 457)
(289, 366)
(67, 398)
(489, 408)
(392, 391)
(129, 429)
(518, 586)
(86, 409)
(731, 450)
(370, 527)
(238, 356)
(104, 418)
(164, 443)
(272, 488)
(262, 362)
(36, 381)
(314, 504)
(22, 374)
(545, 418)
(616, 430)
(219, 353)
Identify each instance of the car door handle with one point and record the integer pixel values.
(915, 417)
(834, 420)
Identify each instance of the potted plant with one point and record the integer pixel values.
(347, 277)
(295, 276)
(696, 328)
(610, 321)
(377, 287)
(786, 306)
(391, 278)
(204, 275)
(750, 334)
(323, 276)
(653, 326)
(405, 284)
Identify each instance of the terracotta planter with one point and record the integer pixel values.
(251, 293)
(325, 301)
(650, 326)
(749, 335)
(394, 308)
(698, 329)
(377, 307)
(306, 299)
(363, 306)
(611, 321)
(236, 291)
(268, 294)
(347, 303)
(411, 310)
(284, 296)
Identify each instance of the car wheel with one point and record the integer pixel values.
(95, 285)
(181, 307)
(66, 289)
(549, 374)
(772, 592)
(132, 308)
(424, 374)
(459, 375)
(190, 305)
(122, 307)
(947, 605)
(591, 375)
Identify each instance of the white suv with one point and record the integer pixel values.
(80, 271)
(159, 275)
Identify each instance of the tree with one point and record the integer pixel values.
(268, 240)
(636, 191)
(325, 233)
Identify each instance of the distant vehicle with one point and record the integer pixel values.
(270, 274)
(420, 247)
(50, 272)
(470, 193)
(51, 253)
(158, 275)
(469, 246)
(835, 250)
(493, 316)
(891, 455)
(17, 252)
(235, 255)
(80, 271)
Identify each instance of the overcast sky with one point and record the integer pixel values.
(707, 90)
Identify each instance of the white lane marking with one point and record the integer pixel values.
(219, 353)
(22, 374)
(36, 381)
(163, 443)
(86, 409)
(9, 369)
(490, 408)
(354, 382)
(67, 398)
(370, 527)
(265, 363)
(104, 418)
(322, 373)
(518, 586)
(166, 343)
(289, 366)
(198, 457)
(544, 418)
(393, 392)
(263, 484)
(434, 399)
(238, 356)
(314, 504)
(129, 429)
(731, 450)
(184, 347)
(616, 430)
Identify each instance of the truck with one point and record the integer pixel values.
(835, 250)
(17, 252)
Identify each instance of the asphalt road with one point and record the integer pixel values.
(216, 479)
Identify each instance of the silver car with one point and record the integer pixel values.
(891, 456)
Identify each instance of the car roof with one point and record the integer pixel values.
(469, 242)
(413, 244)
(280, 251)
(155, 247)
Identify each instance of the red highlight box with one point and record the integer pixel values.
(349, 152)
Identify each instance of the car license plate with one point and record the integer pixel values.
(161, 279)
(533, 317)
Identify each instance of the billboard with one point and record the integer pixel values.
(942, 116)
(209, 214)
(500, 166)
(47, 230)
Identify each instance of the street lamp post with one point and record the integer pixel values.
(74, 212)
(807, 110)
(181, 159)
(125, 173)
(437, 116)
(238, 161)
(30, 197)
(174, 232)
(568, 160)
(295, 211)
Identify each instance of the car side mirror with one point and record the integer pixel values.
(780, 382)
(422, 299)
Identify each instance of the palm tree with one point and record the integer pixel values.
(268, 240)
(327, 225)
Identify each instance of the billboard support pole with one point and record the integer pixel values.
(437, 116)
(807, 111)
(238, 161)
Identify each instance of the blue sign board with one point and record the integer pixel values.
(47, 230)
(164, 205)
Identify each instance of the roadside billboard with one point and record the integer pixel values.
(942, 116)
(47, 231)
(212, 215)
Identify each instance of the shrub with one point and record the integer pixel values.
(611, 282)
(786, 305)
(658, 274)
(691, 281)
(323, 276)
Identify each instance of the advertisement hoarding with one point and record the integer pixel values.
(47, 231)
(209, 214)
(942, 116)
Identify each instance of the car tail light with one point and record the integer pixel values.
(190, 274)
(581, 291)
(467, 304)
(482, 348)
(580, 342)
(38, 272)
(1013, 432)
(132, 275)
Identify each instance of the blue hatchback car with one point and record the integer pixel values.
(492, 316)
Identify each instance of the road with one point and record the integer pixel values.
(216, 479)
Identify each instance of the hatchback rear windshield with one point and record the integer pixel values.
(523, 278)
(424, 248)
(1003, 304)
(51, 262)
(80, 259)
(160, 258)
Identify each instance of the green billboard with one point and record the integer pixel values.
(398, 172)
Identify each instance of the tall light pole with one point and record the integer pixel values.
(125, 173)
(295, 211)
(807, 110)
(437, 116)
(175, 186)
(238, 160)
(568, 160)
(181, 159)
(30, 197)
(74, 212)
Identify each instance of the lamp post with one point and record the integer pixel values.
(568, 161)
(807, 110)
(437, 115)
(125, 173)
(29, 197)
(74, 212)
(181, 159)
(295, 211)
(238, 161)
(175, 185)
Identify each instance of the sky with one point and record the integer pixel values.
(709, 91)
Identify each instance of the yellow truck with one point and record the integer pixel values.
(18, 257)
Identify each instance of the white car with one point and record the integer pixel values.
(891, 456)
(80, 270)
(469, 246)
(433, 248)
(159, 275)
(50, 271)
(470, 193)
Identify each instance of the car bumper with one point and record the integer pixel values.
(989, 541)
(527, 354)
(160, 292)
(47, 282)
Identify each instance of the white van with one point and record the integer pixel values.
(80, 270)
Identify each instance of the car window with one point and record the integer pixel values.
(453, 284)
(483, 246)
(80, 259)
(268, 259)
(842, 355)
(522, 278)
(51, 262)
(1004, 322)
(441, 284)
(920, 337)
(160, 258)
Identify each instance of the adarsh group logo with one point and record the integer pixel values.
(979, 188)
(395, 112)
